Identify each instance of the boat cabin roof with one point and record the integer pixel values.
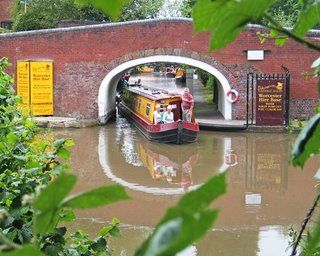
(153, 93)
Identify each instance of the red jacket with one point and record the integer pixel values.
(187, 101)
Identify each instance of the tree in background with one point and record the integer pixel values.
(141, 9)
(284, 11)
(43, 14)
(186, 7)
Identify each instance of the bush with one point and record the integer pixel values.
(32, 21)
(33, 184)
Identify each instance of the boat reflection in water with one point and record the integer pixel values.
(170, 167)
(176, 169)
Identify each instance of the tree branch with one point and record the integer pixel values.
(276, 26)
(304, 225)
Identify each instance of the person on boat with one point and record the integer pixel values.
(164, 110)
(187, 105)
(168, 115)
(157, 118)
(126, 76)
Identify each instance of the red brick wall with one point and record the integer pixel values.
(84, 55)
(5, 9)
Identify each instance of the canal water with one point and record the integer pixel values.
(265, 194)
(265, 197)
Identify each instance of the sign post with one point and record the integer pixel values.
(270, 99)
(35, 86)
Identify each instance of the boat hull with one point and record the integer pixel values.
(179, 132)
(170, 75)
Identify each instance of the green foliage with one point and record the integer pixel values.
(34, 185)
(47, 205)
(141, 9)
(96, 197)
(3, 30)
(236, 15)
(42, 14)
(50, 206)
(24, 250)
(312, 245)
(186, 222)
(308, 142)
(128, 9)
(113, 8)
(308, 18)
(286, 12)
(186, 8)
(208, 90)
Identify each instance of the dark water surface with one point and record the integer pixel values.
(265, 194)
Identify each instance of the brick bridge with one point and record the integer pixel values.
(89, 60)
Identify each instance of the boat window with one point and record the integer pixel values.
(148, 109)
(139, 104)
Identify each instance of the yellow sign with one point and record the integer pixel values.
(23, 87)
(23, 81)
(35, 86)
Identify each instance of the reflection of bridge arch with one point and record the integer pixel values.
(105, 163)
(107, 90)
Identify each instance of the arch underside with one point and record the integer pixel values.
(107, 90)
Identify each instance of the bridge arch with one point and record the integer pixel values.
(107, 89)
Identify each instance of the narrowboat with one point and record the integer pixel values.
(170, 73)
(138, 104)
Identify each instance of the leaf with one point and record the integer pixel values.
(47, 204)
(112, 8)
(23, 251)
(115, 231)
(12, 138)
(99, 245)
(186, 222)
(46, 221)
(97, 197)
(59, 143)
(316, 63)
(29, 124)
(69, 143)
(176, 235)
(226, 18)
(307, 19)
(105, 230)
(280, 41)
(67, 215)
(313, 242)
(61, 231)
(63, 153)
(307, 143)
